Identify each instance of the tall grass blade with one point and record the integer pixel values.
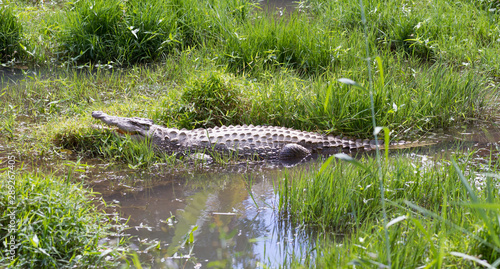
(396, 220)
(381, 70)
(475, 199)
(372, 105)
(347, 158)
(327, 98)
(350, 82)
(496, 263)
(463, 230)
(386, 139)
(472, 258)
(325, 165)
(419, 225)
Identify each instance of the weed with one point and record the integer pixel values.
(109, 145)
(57, 225)
(10, 34)
(211, 100)
(288, 42)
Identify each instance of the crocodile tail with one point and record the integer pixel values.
(401, 144)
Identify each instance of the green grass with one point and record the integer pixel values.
(432, 214)
(10, 34)
(344, 195)
(284, 68)
(109, 145)
(411, 100)
(456, 33)
(211, 100)
(129, 32)
(56, 223)
(124, 32)
(286, 42)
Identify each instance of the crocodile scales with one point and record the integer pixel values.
(266, 142)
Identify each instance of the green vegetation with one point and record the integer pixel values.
(344, 195)
(433, 212)
(117, 31)
(129, 32)
(10, 34)
(56, 224)
(280, 70)
(211, 100)
(192, 63)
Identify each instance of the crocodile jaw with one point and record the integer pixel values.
(134, 125)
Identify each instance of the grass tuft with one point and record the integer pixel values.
(117, 31)
(10, 34)
(211, 100)
(344, 195)
(57, 225)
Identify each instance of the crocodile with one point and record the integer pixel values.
(247, 141)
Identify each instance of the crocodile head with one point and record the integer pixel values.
(134, 126)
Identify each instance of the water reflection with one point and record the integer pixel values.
(233, 213)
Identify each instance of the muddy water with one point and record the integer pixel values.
(233, 212)
(278, 4)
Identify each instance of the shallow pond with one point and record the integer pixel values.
(233, 213)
